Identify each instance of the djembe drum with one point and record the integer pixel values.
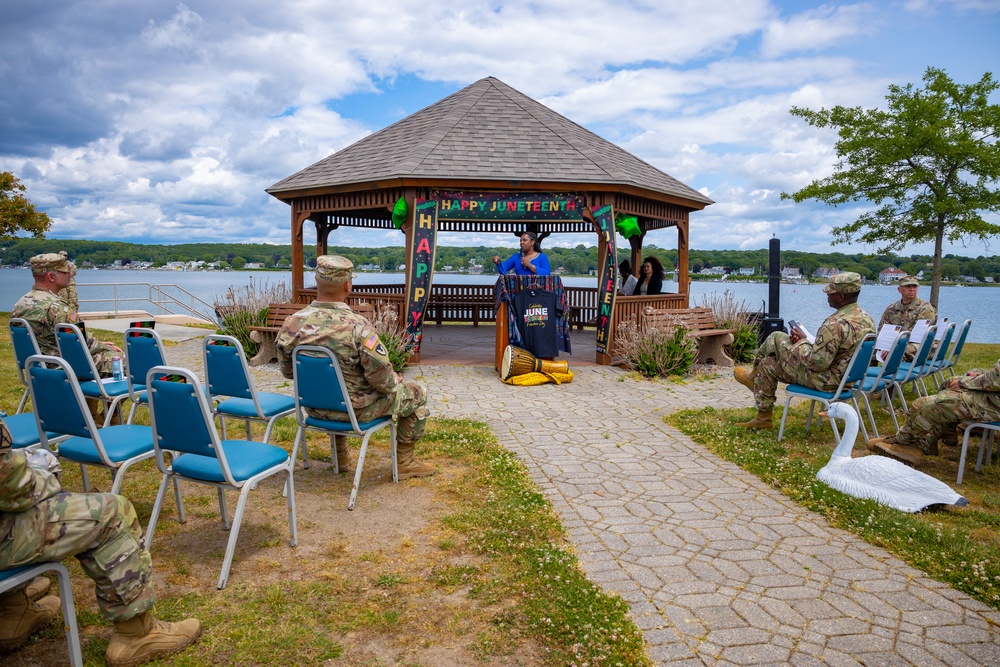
(517, 361)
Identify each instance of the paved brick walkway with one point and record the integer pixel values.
(719, 569)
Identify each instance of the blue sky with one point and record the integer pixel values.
(164, 122)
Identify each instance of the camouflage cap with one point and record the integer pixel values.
(334, 269)
(51, 261)
(909, 280)
(844, 283)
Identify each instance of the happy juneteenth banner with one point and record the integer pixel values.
(606, 287)
(421, 263)
(533, 206)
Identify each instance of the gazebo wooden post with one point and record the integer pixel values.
(636, 244)
(682, 261)
(299, 218)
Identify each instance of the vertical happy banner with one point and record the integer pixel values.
(421, 265)
(607, 286)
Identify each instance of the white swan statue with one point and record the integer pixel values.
(884, 480)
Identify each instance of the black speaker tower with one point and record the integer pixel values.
(772, 321)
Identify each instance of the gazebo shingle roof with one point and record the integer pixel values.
(486, 131)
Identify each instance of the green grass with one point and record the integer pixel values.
(958, 546)
(494, 542)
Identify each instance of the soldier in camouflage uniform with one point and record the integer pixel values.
(40, 523)
(45, 306)
(972, 398)
(820, 365)
(905, 312)
(375, 389)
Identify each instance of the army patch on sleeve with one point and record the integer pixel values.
(372, 341)
(380, 349)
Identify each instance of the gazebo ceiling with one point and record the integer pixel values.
(487, 135)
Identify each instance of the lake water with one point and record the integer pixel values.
(806, 303)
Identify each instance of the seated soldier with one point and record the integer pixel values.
(793, 359)
(970, 398)
(52, 300)
(41, 523)
(376, 389)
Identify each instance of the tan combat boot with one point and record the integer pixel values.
(904, 453)
(407, 464)
(20, 617)
(143, 638)
(37, 587)
(761, 420)
(94, 406)
(744, 375)
(345, 462)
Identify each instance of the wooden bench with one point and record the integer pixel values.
(700, 323)
(277, 313)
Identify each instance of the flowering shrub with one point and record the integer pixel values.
(732, 314)
(246, 307)
(394, 336)
(657, 352)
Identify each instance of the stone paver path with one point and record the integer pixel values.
(719, 568)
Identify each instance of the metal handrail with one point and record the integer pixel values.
(155, 296)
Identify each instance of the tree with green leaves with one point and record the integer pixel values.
(17, 214)
(929, 163)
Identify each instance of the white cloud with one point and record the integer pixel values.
(166, 122)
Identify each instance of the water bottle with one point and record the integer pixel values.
(116, 369)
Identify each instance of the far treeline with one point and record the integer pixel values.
(581, 260)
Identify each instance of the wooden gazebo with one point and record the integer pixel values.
(485, 144)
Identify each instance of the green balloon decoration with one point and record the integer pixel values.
(627, 225)
(399, 213)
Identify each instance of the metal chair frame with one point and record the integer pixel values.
(985, 445)
(13, 577)
(319, 384)
(880, 382)
(73, 348)
(909, 371)
(22, 337)
(855, 372)
(143, 350)
(184, 425)
(228, 381)
(55, 392)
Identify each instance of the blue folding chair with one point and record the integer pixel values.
(909, 371)
(934, 359)
(948, 364)
(24, 431)
(183, 424)
(878, 380)
(73, 348)
(855, 371)
(143, 351)
(25, 345)
(16, 576)
(985, 445)
(227, 378)
(60, 408)
(319, 385)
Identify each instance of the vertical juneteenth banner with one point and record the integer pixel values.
(606, 288)
(421, 266)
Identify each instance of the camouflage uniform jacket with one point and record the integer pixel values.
(362, 356)
(827, 358)
(21, 487)
(906, 315)
(988, 383)
(44, 310)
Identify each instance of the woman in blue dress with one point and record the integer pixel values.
(530, 262)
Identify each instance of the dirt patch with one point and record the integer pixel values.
(393, 537)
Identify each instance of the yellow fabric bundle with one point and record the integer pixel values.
(535, 378)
